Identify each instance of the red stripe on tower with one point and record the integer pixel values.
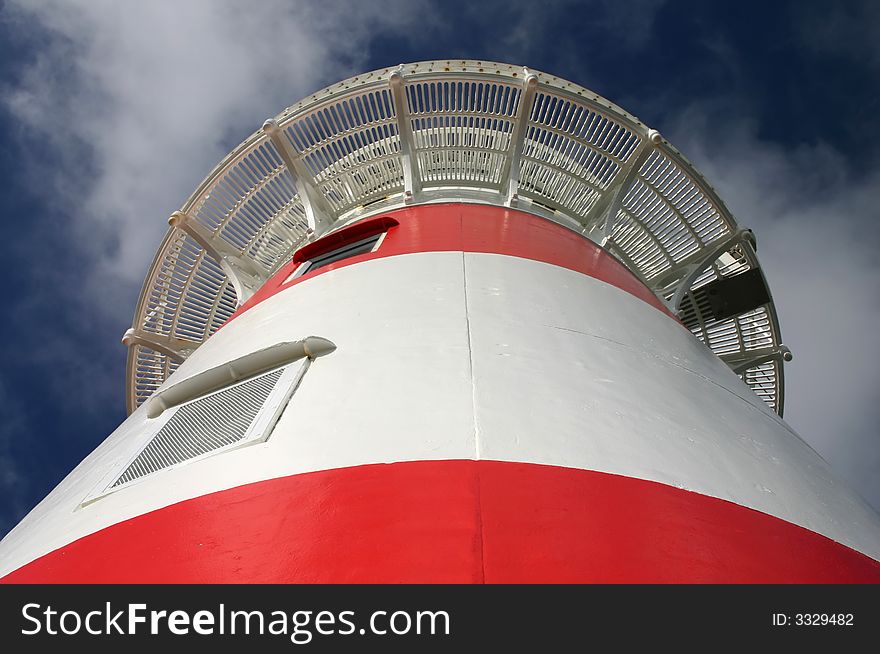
(453, 522)
(466, 228)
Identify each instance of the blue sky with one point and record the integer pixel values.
(112, 112)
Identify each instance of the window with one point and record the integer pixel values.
(369, 244)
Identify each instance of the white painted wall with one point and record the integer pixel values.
(463, 356)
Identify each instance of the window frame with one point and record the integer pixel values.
(306, 266)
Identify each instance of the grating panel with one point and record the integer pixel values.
(147, 370)
(203, 425)
(764, 381)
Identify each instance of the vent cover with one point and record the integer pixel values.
(204, 425)
(229, 418)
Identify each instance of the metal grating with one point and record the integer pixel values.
(462, 130)
(351, 148)
(572, 153)
(204, 425)
(450, 128)
(764, 381)
(666, 217)
(147, 369)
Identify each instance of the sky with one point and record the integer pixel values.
(112, 112)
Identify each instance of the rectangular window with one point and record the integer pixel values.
(363, 246)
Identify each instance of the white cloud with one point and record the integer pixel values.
(138, 100)
(122, 108)
(816, 220)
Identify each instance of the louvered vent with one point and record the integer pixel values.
(204, 425)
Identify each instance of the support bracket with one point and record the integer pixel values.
(412, 183)
(739, 362)
(687, 271)
(177, 349)
(509, 182)
(244, 273)
(604, 212)
(319, 215)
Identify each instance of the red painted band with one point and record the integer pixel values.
(468, 228)
(453, 521)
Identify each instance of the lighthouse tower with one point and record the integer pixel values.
(456, 321)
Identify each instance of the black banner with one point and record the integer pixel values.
(433, 618)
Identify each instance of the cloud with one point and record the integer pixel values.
(130, 104)
(815, 215)
(119, 110)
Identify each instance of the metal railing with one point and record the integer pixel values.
(461, 130)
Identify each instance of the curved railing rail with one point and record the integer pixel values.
(452, 130)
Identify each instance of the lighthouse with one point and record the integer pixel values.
(453, 321)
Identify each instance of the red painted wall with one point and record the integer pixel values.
(474, 228)
(453, 521)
